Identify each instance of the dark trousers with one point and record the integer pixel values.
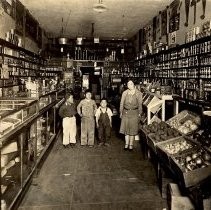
(104, 133)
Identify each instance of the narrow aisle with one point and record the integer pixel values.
(99, 178)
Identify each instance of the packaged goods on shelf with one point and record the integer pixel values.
(6, 158)
(3, 188)
(192, 34)
(39, 149)
(17, 159)
(12, 147)
(3, 172)
(10, 164)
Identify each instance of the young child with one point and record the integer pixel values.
(104, 123)
(67, 112)
(86, 109)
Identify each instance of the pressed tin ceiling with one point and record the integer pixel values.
(122, 19)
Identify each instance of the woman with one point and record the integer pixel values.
(130, 112)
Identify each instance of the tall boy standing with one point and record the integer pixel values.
(86, 109)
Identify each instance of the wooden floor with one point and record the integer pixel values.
(99, 178)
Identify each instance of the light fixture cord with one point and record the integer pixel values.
(67, 20)
(62, 27)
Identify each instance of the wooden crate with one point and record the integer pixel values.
(176, 201)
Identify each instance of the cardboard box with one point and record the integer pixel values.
(176, 201)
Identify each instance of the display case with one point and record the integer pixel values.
(46, 99)
(14, 113)
(11, 169)
(28, 127)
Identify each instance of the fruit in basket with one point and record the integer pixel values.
(198, 161)
(187, 123)
(206, 156)
(194, 155)
(193, 126)
(188, 159)
(176, 147)
(184, 126)
(183, 129)
(194, 159)
(196, 136)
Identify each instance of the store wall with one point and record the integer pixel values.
(181, 33)
(7, 23)
(183, 30)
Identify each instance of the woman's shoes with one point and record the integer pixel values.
(126, 147)
(130, 148)
(65, 145)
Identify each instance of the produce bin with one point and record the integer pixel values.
(186, 122)
(159, 132)
(198, 172)
(173, 147)
(152, 142)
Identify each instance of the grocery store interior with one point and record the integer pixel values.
(148, 61)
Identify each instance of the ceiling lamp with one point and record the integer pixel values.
(62, 39)
(100, 7)
(79, 40)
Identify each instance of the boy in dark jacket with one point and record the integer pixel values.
(67, 112)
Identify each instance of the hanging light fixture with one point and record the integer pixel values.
(62, 39)
(79, 40)
(100, 7)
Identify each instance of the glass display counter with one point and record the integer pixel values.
(46, 99)
(13, 113)
(27, 129)
(11, 182)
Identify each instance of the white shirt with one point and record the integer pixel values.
(98, 112)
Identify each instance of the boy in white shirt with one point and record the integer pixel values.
(104, 123)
